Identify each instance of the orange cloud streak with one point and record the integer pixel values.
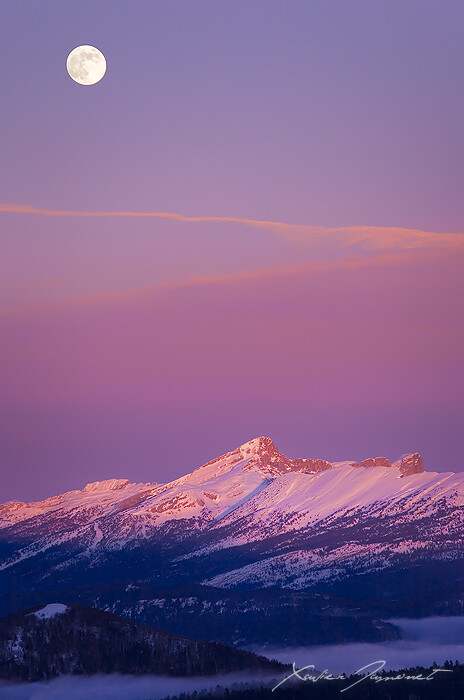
(377, 237)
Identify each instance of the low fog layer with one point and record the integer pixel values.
(425, 641)
(439, 630)
(118, 687)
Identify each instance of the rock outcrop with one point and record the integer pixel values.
(373, 462)
(410, 464)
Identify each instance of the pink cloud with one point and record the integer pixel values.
(377, 237)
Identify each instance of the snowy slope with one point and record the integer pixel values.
(93, 501)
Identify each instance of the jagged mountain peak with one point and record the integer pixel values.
(407, 464)
(253, 455)
(265, 457)
(262, 455)
(258, 445)
(410, 464)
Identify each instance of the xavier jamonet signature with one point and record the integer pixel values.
(364, 672)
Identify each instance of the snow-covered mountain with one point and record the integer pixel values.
(253, 476)
(249, 519)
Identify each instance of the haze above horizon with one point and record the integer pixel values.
(252, 225)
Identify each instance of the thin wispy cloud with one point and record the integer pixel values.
(317, 267)
(376, 237)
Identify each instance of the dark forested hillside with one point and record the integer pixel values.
(40, 643)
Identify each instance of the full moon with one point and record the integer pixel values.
(86, 65)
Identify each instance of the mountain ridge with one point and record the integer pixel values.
(259, 454)
(250, 519)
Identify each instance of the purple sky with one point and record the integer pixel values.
(142, 347)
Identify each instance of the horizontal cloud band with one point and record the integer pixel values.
(380, 237)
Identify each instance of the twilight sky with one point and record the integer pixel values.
(295, 265)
